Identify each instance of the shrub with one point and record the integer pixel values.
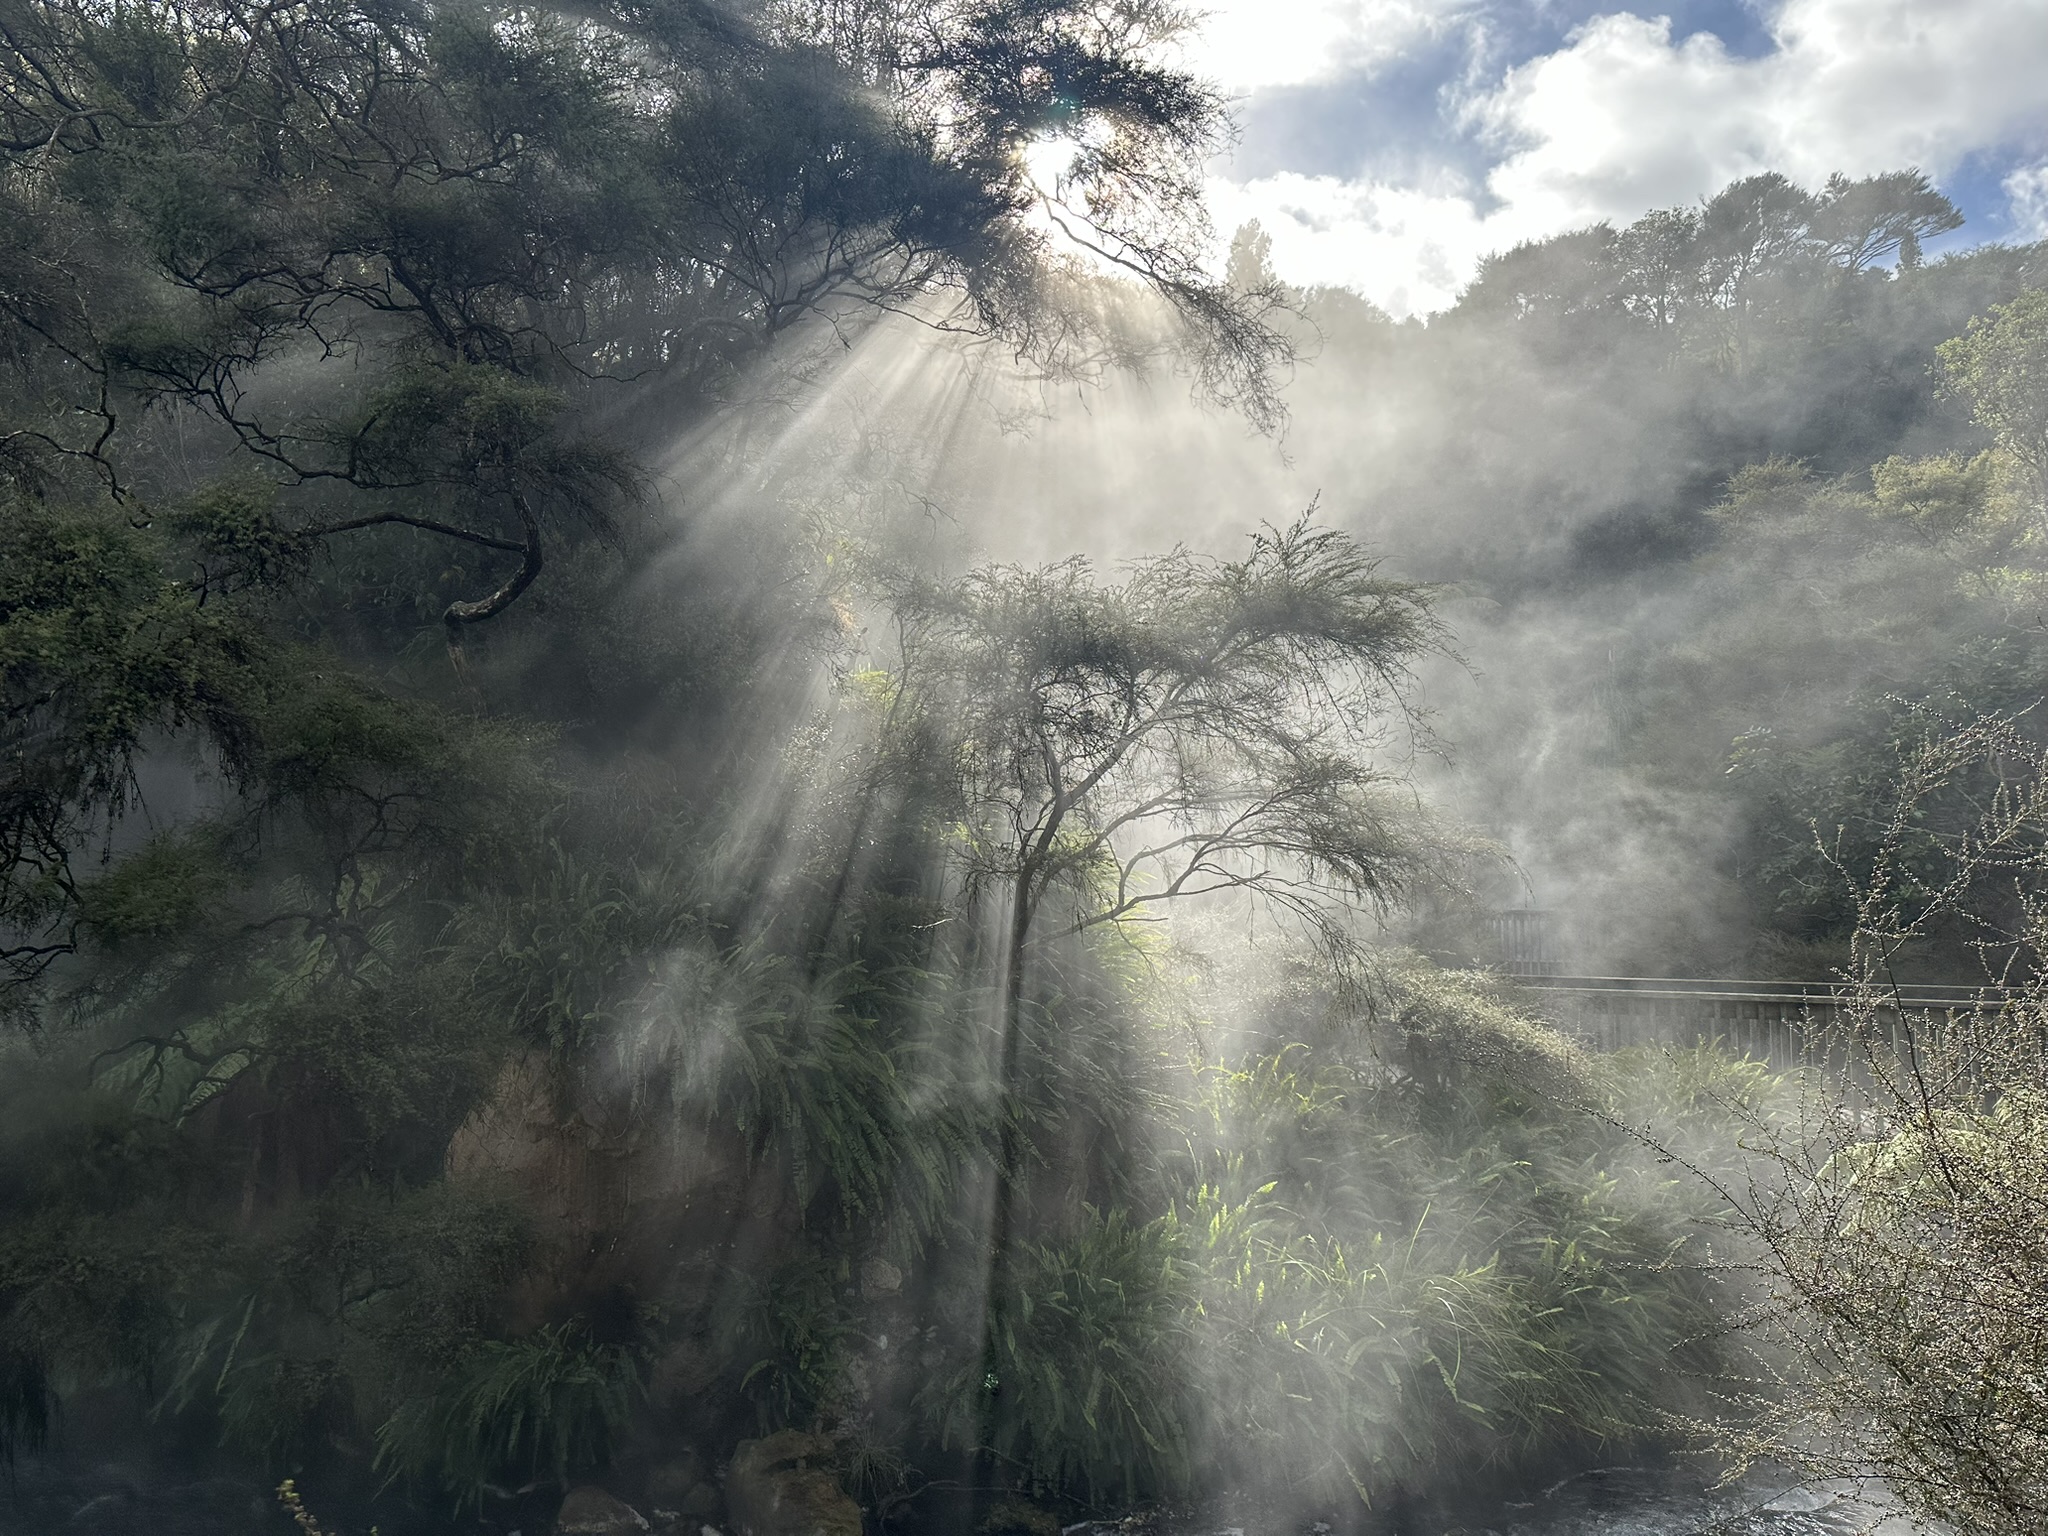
(1902, 1211)
(544, 1408)
(794, 1333)
(1092, 1363)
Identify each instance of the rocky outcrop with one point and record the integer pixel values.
(682, 1488)
(618, 1201)
(784, 1486)
(880, 1279)
(591, 1511)
(527, 1138)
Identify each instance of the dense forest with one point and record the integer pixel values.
(649, 883)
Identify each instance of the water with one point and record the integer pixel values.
(1607, 1501)
(87, 1499)
(80, 1497)
(1629, 1501)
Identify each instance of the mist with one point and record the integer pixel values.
(741, 797)
(1559, 470)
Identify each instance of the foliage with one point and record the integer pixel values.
(99, 651)
(1451, 1262)
(796, 1331)
(563, 955)
(1906, 603)
(854, 1097)
(2000, 365)
(1092, 1363)
(1713, 273)
(546, 1407)
(460, 230)
(1365, 1274)
(268, 1339)
(1899, 1212)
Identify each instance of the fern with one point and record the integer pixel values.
(546, 1408)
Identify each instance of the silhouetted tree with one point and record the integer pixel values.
(1861, 223)
(1659, 264)
(395, 259)
(1201, 726)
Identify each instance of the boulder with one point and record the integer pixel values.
(1014, 1517)
(591, 1511)
(704, 1502)
(879, 1278)
(682, 1486)
(784, 1486)
(525, 1137)
(669, 1480)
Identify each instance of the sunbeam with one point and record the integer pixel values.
(741, 796)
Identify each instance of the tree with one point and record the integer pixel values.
(1751, 231)
(397, 260)
(1249, 268)
(2000, 366)
(1660, 264)
(1565, 275)
(1750, 227)
(1860, 223)
(1203, 727)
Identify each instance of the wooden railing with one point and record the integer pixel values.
(1770, 1019)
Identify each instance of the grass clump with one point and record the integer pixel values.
(1389, 1255)
(546, 1408)
(1094, 1355)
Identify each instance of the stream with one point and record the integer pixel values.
(1631, 1501)
(79, 1496)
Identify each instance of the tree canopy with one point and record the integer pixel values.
(399, 261)
(1200, 726)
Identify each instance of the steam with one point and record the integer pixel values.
(1554, 476)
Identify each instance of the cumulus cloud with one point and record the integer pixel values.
(2027, 192)
(1406, 249)
(1247, 45)
(1625, 117)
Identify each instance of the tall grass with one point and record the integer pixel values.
(1387, 1256)
(1093, 1357)
(546, 1408)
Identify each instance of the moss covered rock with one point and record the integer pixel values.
(784, 1486)
(590, 1511)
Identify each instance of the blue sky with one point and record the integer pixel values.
(1389, 144)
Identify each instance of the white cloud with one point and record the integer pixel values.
(1623, 119)
(1407, 250)
(2027, 191)
(1248, 45)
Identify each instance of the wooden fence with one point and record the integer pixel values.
(1773, 1020)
